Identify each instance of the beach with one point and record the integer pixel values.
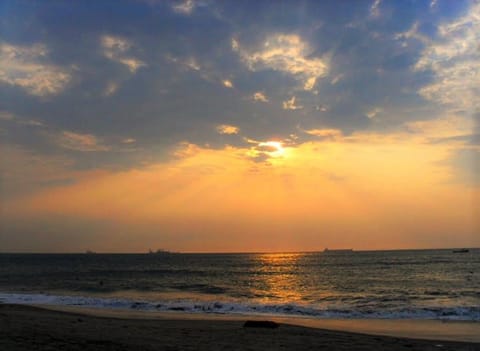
(36, 328)
(201, 301)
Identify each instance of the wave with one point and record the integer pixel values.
(460, 313)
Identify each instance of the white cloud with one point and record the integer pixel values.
(80, 142)
(291, 105)
(260, 96)
(288, 54)
(25, 66)
(227, 129)
(185, 7)
(412, 33)
(455, 61)
(442, 127)
(8, 116)
(371, 114)
(116, 48)
(336, 79)
(235, 44)
(192, 64)
(326, 133)
(110, 89)
(374, 9)
(31, 122)
(228, 84)
(189, 63)
(129, 141)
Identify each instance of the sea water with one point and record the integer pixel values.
(416, 284)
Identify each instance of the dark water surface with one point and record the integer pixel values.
(424, 284)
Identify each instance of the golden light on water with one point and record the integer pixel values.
(281, 280)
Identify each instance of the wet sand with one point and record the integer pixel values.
(35, 328)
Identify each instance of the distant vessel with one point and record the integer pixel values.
(90, 252)
(327, 250)
(160, 252)
(461, 251)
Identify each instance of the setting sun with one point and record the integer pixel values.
(273, 148)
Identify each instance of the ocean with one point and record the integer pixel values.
(406, 284)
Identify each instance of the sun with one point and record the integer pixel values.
(274, 148)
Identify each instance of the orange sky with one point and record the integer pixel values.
(362, 192)
(272, 128)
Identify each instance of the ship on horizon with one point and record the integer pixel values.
(327, 250)
(160, 252)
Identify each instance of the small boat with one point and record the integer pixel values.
(327, 250)
(159, 252)
(461, 251)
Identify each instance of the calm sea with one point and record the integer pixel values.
(421, 284)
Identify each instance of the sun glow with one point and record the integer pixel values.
(273, 148)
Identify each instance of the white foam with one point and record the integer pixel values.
(463, 313)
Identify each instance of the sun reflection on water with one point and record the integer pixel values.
(280, 276)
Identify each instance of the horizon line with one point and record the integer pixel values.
(90, 252)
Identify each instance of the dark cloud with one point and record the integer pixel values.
(178, 95)
(468, 139)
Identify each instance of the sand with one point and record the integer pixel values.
(35, 328)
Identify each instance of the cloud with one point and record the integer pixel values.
(8, 116)
(267, 151)
(290, 104)
(337, 78)
(192, 64)
(31, 122)
(185, 7)
(374, 112)
(260, 96)
(228, 84)
(286, 53)
(189, 63)
(466, 139)
(444, 127)
(227, 129)
(455, 62)
(128, 141)
(110, 89)
(24, 66)
(326, 133)
(374, 9)
(80, 142)
(323, 108)
(115, 48)
(412, 33)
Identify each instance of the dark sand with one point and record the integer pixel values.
(34, 328)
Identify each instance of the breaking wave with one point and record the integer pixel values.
(461, 313)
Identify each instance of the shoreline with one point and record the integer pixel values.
(24, 327)
(461, 331)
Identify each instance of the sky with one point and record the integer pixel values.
(239, 126)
